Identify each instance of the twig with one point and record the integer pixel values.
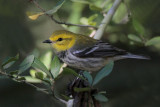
(4, 73)
(107, 19)
(59, 22)
(22, 81)
(92, 34)
(32, 85)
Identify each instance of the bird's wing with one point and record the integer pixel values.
(100, 49)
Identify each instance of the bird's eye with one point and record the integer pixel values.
(59, 39)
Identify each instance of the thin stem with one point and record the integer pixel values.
(59, 22)
(30, 84)
(22, 81)
(107, 19)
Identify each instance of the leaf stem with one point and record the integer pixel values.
(107, 19)
(59, 22)
(22, 81)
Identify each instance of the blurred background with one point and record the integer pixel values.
(133, 83)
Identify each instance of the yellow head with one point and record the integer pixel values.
(61, 40)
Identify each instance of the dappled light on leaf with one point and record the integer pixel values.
(32, 80)
(46, 59)
(55, 66)
(134, 38)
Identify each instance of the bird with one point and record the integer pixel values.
(85, 53)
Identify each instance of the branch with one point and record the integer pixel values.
(22, 81)
(107, 19)
(32, 85)
(59, 22)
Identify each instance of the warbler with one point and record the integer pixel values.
(85, 53)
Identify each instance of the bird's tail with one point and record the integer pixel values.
(129, 55)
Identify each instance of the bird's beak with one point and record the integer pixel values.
(47, 41)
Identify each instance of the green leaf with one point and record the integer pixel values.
(81, 1)
(84, 21)
(40, 75)
(9, 61)
(56, 8)
(14, 72)
(52, 11)
(91, 18)
(94, 7)
(91, 5)
(33, 73)
(47, 81)
(27, 62)
(134, 38)
(39, 65)
(100, 97)
(120, 13)
(32, 80)
(108, 7)
(138, 27)
(19, 79)
(104, 72)
(46, 59)
(153, 41)
(88, 76)
(55, 67)
(70, 71)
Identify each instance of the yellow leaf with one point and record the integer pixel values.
(35, 16)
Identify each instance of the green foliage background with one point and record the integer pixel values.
(132, 82)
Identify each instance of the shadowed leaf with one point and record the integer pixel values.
(52, 11)
(9, 61)
(27, 62)
(103, 73)
(138, 27)
(39, 65)
(88, 76)
(134, 38)
(95, 8)
(100, 97)
(153, 41)
(70, 71)
(55, 9)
